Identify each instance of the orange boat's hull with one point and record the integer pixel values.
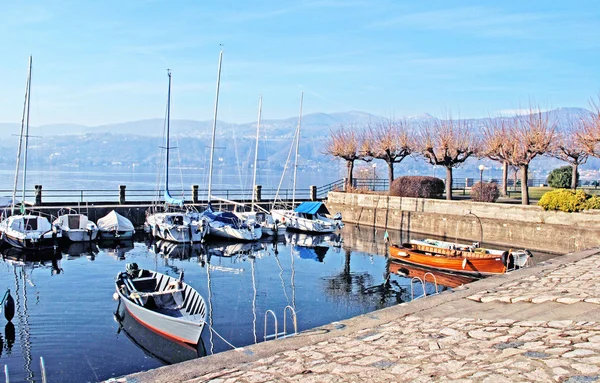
(459, 264)
(441, 278)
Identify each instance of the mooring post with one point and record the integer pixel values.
(38, 195)
(313, 193)
(194, 193)
(122, 194)
(257, 193)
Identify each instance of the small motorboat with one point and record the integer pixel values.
(165, 304)
(513, 258)
(460, 261)
(76, 227)
(28, 231)
(115, 226)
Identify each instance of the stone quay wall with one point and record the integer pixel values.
(509, 225)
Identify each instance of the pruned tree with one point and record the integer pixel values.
(389, 141)
(495, 146)
(589, 135)
(531, 135)
(344, 142)
(570, 146)
(447, 143)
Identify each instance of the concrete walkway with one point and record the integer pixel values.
(539, 324)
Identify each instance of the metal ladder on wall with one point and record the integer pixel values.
(283, 334)
(422, 281)
(42, 368)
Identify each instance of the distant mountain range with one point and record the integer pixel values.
(137, 143)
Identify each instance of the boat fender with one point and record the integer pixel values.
(464, 263)
(8, 306)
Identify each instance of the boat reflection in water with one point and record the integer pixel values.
(154, 345)
(174, 250)
(442, 279)
(309, 246)
(116, 248)
(79, 249)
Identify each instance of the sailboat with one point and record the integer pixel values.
(25, 230)
(225, 224)
(308, 216)
(261, 216)
(171, 222)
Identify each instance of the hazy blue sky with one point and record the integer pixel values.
(98, 62)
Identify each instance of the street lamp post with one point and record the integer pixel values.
(374, 166)
(481, 168)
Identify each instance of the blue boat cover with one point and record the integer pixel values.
(312, 208)
(172, 201)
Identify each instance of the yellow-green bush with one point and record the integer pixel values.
(568, 200)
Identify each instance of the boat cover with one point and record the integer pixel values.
(312, 208)
(172, 201)
(224, 217)
(115, 221)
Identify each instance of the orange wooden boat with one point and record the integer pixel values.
(463, 262)
(442, 278)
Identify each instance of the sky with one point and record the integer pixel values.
(102, 62)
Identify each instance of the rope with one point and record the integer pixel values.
(223, 339)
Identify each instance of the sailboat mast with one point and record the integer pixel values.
(25, 118)
(214, 128)
(167, 145)
(297, 147)
(256, 153)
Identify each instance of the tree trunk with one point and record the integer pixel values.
(390, 175)
(504, 178)
(574, 177)
(350, 167)
(524, 187)
(449, 183)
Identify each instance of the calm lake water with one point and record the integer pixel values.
(65, 312)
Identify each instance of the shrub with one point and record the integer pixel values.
(568, 200)
(561, 177)
(485, 192)
(417, 187)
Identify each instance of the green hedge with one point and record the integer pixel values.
(568, 200)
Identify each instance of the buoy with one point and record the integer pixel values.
(9, 306)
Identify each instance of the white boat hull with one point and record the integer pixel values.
(182, 328)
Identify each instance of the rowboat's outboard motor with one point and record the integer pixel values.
(132, 269)
(8, 305)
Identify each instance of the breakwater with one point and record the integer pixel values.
(515, 226)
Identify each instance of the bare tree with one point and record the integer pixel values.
(447, 143)
(589, 135)
(389, 141)
(531, 135)
(344, 142)
(495, 146)
(570, 146)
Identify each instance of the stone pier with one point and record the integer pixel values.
(540, 324)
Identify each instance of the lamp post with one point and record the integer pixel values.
(481, 168)
(374, 166)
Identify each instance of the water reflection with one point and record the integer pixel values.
(116, 248)
(313, 246)
(153, 344)
(23, 264)
(78, 249)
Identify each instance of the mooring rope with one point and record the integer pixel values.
(223, 339)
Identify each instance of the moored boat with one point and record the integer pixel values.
(309, 217)
(165, 304)
(512, 258)
(115, 226)
(76, 227)
(472, 263)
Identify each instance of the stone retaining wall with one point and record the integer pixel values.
(516, 226)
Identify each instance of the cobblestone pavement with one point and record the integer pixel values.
(451, 349)
(411, 346)
(568, 283)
